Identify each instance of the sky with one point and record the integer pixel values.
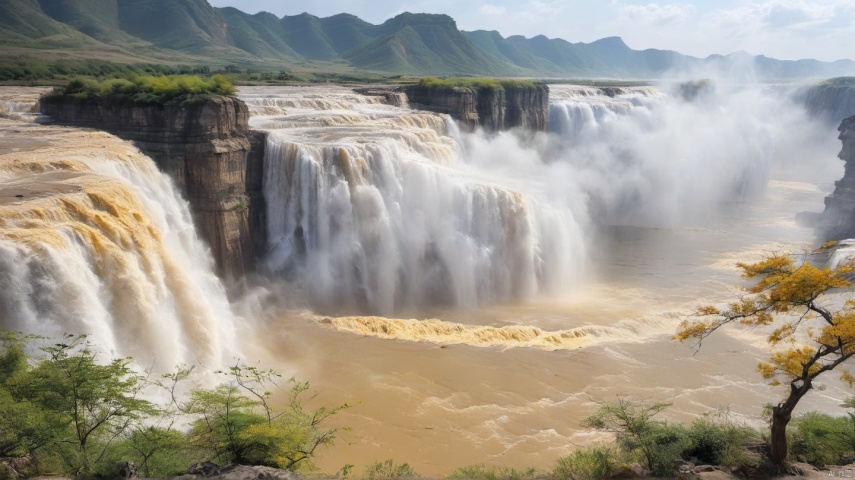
(783, 29)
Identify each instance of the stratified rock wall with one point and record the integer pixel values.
(838, 220)
(493, 109)
(831, 103)
(204, 146)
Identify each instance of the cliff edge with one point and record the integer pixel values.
(838, 219)
(204, 145)
(497, 108)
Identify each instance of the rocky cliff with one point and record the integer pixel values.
(493, 109)
(838, 219)
(205, 146)
(832, 100)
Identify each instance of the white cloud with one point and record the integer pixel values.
(652, 13)
(491, 10)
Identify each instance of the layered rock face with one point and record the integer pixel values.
(830, 102)
(205, 147)
(494, 110)
(838, 220)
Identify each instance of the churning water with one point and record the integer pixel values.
(521, 278)
(475, 293)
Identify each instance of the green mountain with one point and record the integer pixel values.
(260, 35)
(425, 44)
(192, 31)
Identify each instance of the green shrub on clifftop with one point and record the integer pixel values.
(473, 84)
(165, 89)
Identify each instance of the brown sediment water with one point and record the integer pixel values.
(509, 382)
(459, 290)
(94, 240)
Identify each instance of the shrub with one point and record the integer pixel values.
(164, 89)
(482, 472)
(718, 442)
(821, 439)
(657, 443)
(388, 470)
(472, 84)
(594, 463)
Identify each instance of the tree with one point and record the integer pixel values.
(810, 338)
(24, 426)
(236, 421)
(97, 402)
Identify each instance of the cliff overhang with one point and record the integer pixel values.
(495, 106)
(204, 145)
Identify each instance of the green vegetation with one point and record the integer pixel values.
(472, 84)
(656, 445)
(388, 470)
(820, 439)
(481, 472)
(594, 463)
(165, 89)
(193, 32)
(72, 413)
(19, 69)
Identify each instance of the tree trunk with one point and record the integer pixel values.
(781, 415)
(780, 419)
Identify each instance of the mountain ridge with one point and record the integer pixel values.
(409, 43)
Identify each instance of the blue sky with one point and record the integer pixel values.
(786, 29)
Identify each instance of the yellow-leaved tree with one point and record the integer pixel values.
(809, 338)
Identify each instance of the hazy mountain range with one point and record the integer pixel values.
(192, 31)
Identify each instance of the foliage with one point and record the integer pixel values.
(712, 439)
(97, 402)
(811, 338)
(77, 415)
(388, 470)
(716, 440)
(237, 424)
(31, 69)
(594, 463)
(482, 472)
(821, 439)
(137, 89)
(24, 426)
(658, 443)
(472, 84)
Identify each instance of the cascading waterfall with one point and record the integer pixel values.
(102, 244)
(645, 158)
(384, 215)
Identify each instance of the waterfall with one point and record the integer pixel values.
(102, 244)
(383, 214)
(646, 158)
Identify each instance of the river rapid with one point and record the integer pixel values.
(473, 295)
(476, 294)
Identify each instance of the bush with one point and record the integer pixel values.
(821, 439)
(388, 470)
(594, 463)
(165, 89)
(472, 84)
(482, 472)
(718, 442)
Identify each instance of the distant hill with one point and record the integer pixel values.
(185, 31)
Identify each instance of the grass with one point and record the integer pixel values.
(472, 84)
(164, 89)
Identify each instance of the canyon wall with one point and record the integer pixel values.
(205, 146)
(838, 219)
(492, 109)
(832, 100)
